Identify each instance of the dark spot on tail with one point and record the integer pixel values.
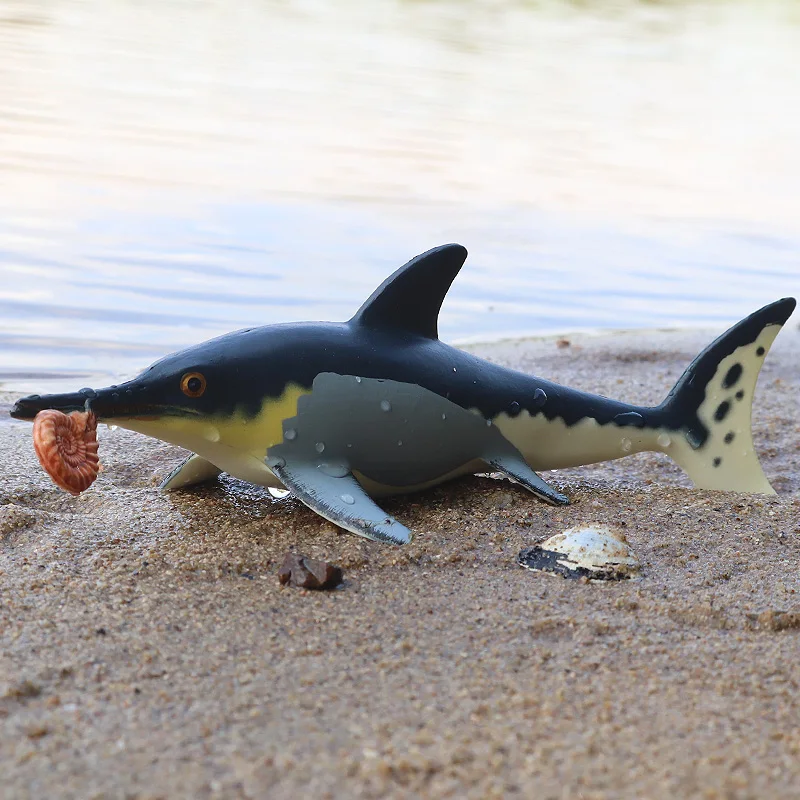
(760, 351)
(717, 461)
(729, 437)
(722, 410)
(740, 394)
(732, 378)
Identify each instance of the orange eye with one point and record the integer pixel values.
(193, 384)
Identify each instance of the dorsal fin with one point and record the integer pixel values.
(410, 299)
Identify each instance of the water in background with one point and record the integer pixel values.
(170, 171)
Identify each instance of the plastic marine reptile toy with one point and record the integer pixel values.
(341, 412)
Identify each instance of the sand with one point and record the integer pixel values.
(148, 650)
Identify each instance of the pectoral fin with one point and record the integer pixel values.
(341, 500)
(189, 472)
(517, 468)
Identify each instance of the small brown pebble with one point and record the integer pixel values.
(66, 446)
(23, 690)
(562, 343)
(308, 573)
(771, 620)
(37, 730)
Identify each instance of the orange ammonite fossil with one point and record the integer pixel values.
(66, 445)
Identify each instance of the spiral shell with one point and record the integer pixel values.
(66, 446)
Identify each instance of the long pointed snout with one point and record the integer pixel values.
(29, 407)
(108, 403)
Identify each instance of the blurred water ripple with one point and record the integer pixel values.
(170, 171)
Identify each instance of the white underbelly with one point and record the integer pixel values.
(552, 444)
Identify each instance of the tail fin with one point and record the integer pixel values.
(710, 406)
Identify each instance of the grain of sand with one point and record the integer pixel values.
(148, 650)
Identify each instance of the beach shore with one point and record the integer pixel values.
(148, 650)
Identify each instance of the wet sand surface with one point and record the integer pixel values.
(148, 650)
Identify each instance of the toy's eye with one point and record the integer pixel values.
(193, 384)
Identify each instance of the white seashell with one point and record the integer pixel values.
(597, 552)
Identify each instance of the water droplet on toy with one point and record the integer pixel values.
(539, 398)
(211, 434)
(277, 493)
(454, 369)
(625, 445)
(358, 380)
(275, 462)
(386, 405)
(400, 443)
(664, 440)
(336, 469)
(630, 418)
(514, 407)
(349, 499)
(444, 416)
(488, 423)
(320, 447)
(290, 434)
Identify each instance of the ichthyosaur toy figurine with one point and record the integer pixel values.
(339, 413)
